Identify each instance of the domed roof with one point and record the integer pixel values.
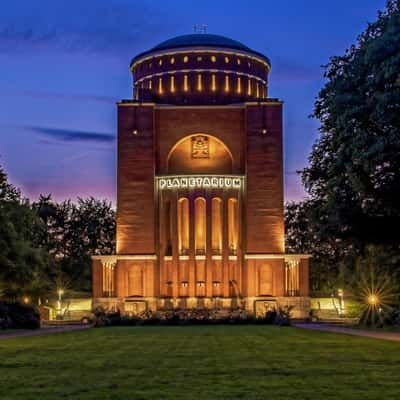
(200, 40)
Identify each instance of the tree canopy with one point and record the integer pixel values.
(353, 177)
(47, 244)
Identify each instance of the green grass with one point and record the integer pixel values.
(205, 362)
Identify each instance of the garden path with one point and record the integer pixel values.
(43, 331)
(351, 331)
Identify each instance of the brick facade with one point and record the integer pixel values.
(200, 244)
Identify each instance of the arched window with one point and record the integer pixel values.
(200, 225)
(167, 228)
(233, 217)
(183, 225)
(216, 223)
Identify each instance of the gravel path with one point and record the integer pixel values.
(350, 331)
(44, 331)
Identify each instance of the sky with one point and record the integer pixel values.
(64, 65)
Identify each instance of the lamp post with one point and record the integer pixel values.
(59, 301)
(373, 300)
(341, 301)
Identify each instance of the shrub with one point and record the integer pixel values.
(18, 316)
(284, 316)
(188, 317)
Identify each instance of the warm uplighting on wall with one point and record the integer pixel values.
(199, 83)
(213, 83)
(257, 90)
(185, 83)
(226, 83)
(249, 87)
(172, 84)
(239, 85)
(160, 88)
(150, 84)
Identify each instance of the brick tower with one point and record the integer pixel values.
(200, 186)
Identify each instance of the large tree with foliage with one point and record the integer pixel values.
(23, 262)
(75, 232)
(354, 169)
(353, 177)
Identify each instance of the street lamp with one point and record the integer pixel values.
(59, 301)
(373, 300)
(341, 301)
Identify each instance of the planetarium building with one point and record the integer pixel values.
(200, 186)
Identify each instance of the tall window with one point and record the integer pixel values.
(183, 226)
(292, 277)
(200, 225)
(172, 83)
(257, 90)
(150, 84)
(233, 216)
(216, 223)
(167, 231)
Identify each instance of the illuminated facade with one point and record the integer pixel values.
(200, 186)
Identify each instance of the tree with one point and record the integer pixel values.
(22, 262)
(74, 233)
(354, 170)
(353, 177)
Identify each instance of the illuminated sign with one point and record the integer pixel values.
(197, 181)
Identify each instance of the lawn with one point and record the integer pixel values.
(204, 362)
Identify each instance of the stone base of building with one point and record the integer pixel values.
(256, 305)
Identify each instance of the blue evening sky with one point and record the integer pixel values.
(64, 64)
